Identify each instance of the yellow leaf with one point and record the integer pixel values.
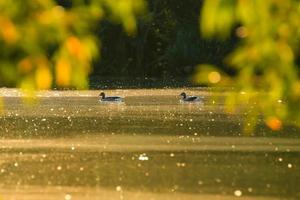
(74, 46)
(274, 123)
(8, 30)
(43, 77)
(63, 72)
(25, 65)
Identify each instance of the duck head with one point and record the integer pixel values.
(102, 95)
(183, 94)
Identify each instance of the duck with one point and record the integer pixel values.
(110, 98)
(190, 99)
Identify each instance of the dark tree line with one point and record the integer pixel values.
(168, 43)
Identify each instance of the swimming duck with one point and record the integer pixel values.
(110, 99)
(186, 98)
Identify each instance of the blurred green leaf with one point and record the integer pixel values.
(265, 59)
(62, 36)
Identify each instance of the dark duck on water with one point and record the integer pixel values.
(110, 98)
(190, 99)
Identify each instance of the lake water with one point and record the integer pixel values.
(66, 145)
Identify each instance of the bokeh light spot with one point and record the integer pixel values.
(242, 32)
(214, 77)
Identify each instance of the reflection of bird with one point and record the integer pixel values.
(110, 99)
(186, 98)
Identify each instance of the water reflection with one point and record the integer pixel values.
(152, 147)
(254, 173)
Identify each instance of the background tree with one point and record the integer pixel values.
(167, 44)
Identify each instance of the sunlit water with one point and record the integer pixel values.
(68, 145)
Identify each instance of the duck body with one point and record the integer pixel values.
(113, 99)
(190, 99)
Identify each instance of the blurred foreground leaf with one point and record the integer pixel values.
(45, 45)
(266, 58)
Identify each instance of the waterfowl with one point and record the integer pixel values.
(110, 98)
(186, 98)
